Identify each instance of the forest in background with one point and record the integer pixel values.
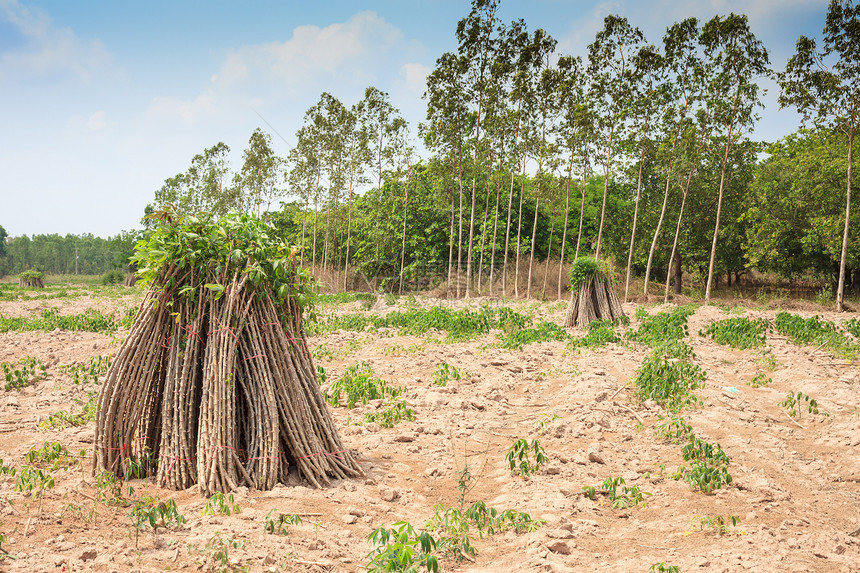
(637, 152)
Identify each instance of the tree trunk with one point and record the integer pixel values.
(548, 255)
(678, 272)
(496, 221)
(677, 235)
(519, 233)
(483, 240)
(451, 246)
(348, 236)
(532, 253)
(607, 171)
(510, 206)
(717, 223)
(840, 292)
(403, 244)
(581, 207)
(635, 219)
(564, 231)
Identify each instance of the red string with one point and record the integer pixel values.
(192, 333)
(173, 463)
(167, 340)
(255, 356)
(264, 458)
(223, 328)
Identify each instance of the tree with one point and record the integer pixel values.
(260, 175)
(735, 58)
(203, 188)
(830, 95)
(610, 68)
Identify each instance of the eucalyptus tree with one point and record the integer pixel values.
(683, 65)
(576, 133)
(358, 154)
(516, 45)
(204, 187)
(830, 95)
(446, 130)
(547, 107)
(261, 173)
(303, 178)
(649, 98)
(735, 59)
(478, 46)
(611, 71)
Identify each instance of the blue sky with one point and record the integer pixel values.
(100, 101)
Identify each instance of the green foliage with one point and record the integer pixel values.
(23, 373)
(358, 384)
(214, 249)
(669, 378)
(455, 527)
(600, 333)
(794, 404)
(51, 454)
(459, 325)
(219, 504)
(109, 490)
(34, 482)
(698, 449)
(91, 320)
(148, 512)
(584, 268)
(759, 380)
(113, 277)
(543, 332)
(218, 550)
(91, 370)
(717, 523)
(675, 429)
(817, 332)
(31, 275)
(705, 477)
(445, 373)
(61, 419)
(666, 326)
(393, 411)
(519, 457)
(663, 568)
(401, 548)
(739, 333)
(7, 470)
(279, 523)
(631, 496)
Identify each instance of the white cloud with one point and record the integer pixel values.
(97, 121)
(414, 78)
(188, 111)
(48, 50)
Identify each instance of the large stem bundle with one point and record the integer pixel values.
(593, 297)
(215, 384)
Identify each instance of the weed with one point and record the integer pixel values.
(23, 373)
(61, 419)
(814, 331)
(109, 490)
(445, 373)
(704, 477)
(219, 504)
(7, 470)
(519, 457)
(676, 429)
(358, 384)
(218, 550)
(545, 420)
(51, 454)
(739, 333)
(401, 548)
(96, 367)
(794, 404)
(717, 523)
(90, 320)
(600, 333)
(148, 512)
(393, 411)
(400, 350)
(628, 497)
(663, 327)
(543, 332)
(759, 380)
(669, 378)
(663, 568)
(280, 524)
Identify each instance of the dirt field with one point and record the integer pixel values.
(796, 487)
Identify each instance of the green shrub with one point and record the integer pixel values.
(113, 277)
(815, 332)
(358, 384)
(739, 333)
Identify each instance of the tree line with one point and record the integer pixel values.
(634, 151)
